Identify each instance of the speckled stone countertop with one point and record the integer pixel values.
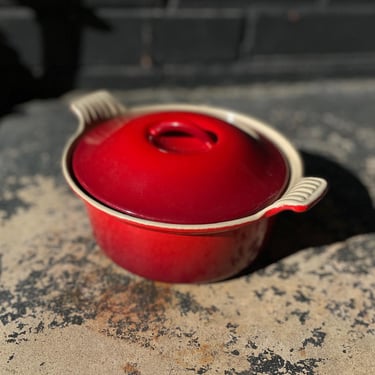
(306, 307)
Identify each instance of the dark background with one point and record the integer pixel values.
(49, 47)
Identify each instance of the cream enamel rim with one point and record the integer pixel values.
(244, 122)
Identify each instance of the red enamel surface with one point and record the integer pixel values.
(177, 257)
(179, 167)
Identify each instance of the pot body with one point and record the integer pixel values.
(177, 256)
(186, 253)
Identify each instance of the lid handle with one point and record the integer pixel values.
(304, 195)
(96, 107)
(178, 136)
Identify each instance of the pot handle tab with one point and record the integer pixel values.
(96, 107)
(301, 197)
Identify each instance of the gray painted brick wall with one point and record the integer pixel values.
(117, 43)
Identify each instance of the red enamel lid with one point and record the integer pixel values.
(179, 167)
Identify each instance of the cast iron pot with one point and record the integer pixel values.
(182, 193)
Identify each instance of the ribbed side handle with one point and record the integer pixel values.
(96, 107)
(304, 195)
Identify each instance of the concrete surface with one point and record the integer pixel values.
(306, 307)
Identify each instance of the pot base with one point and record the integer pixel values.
(177, 257)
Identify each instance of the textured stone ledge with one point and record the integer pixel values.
(306, 307)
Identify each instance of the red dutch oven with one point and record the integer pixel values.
(182, 193)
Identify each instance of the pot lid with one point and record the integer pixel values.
(179, 167)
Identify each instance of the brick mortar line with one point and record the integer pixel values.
(256, 60)
(203, 12)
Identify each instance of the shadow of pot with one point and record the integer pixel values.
(344, 212)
